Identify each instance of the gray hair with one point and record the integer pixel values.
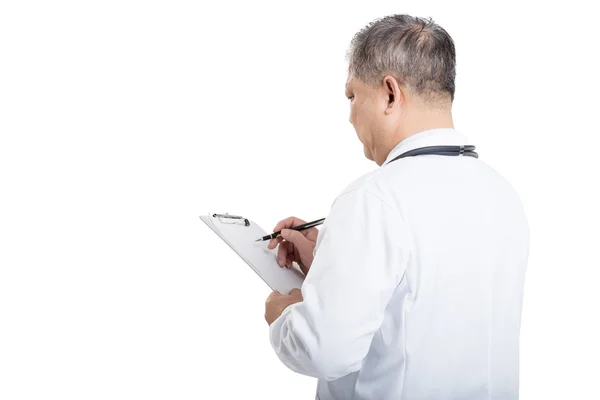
(419, 53)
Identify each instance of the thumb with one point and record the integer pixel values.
(297, 238)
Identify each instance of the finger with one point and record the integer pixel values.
(290, 255)
(282, 253)
(298, 239)
(295, 291)
(274, 242)
(288, 223)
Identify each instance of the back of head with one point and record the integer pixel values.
(417, 52)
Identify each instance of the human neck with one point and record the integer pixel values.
(419, 121)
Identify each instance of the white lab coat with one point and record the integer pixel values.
(416, 287)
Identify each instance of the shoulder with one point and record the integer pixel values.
(373, 184)
(359, 183)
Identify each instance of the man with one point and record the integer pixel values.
(416, 284)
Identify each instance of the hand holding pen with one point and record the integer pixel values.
(297, 240)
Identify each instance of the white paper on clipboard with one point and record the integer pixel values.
(241, 234)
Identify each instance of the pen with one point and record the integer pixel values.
(296, 228)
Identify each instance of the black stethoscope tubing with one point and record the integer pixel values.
(466, 150)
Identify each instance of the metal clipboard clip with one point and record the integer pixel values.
(232, 219)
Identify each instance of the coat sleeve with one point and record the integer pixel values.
(362, 252)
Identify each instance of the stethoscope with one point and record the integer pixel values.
(466, 150)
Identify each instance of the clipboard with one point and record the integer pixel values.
(240, 234)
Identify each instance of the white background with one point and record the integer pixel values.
(122, 121)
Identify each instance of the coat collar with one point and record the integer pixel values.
(430, 137)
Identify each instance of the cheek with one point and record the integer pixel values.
(355, 123)
(355, 117)
(361, 125)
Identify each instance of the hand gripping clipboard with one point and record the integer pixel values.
(240, 234)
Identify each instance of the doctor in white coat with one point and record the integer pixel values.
(414, 283)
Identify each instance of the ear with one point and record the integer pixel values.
(394, 93)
